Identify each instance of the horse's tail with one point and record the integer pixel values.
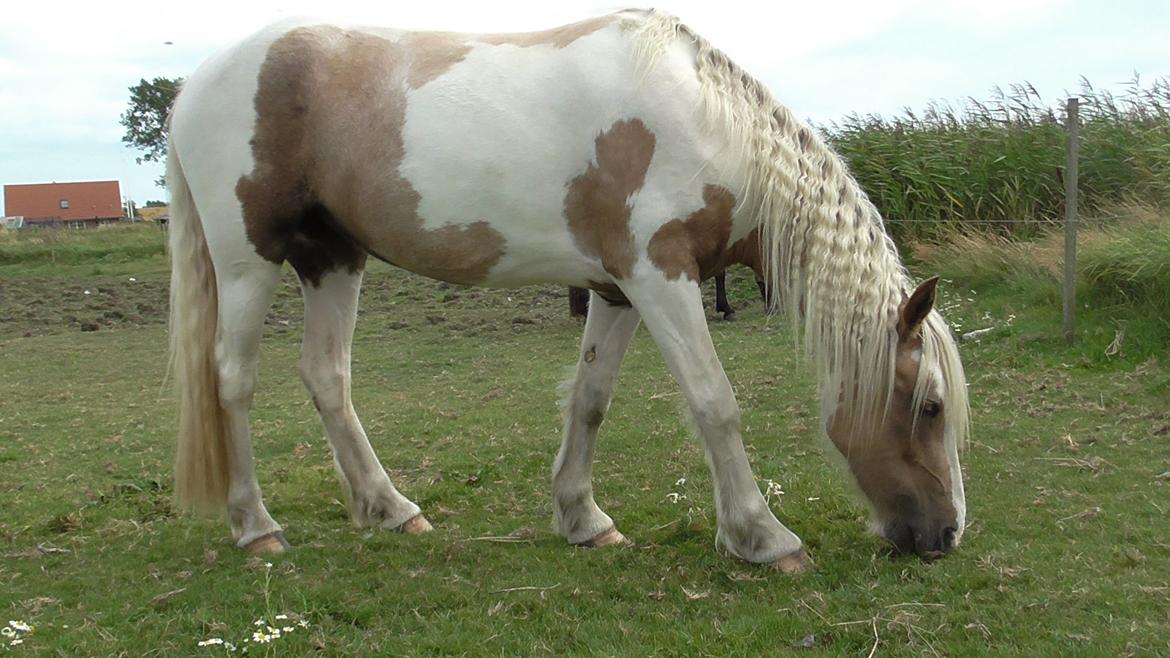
(202, 461)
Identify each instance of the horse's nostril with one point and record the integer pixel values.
(948, 538)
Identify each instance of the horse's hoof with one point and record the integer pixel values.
(415, 525)
(606, 538)
(729, 317)
(272, 543)
(794, 563)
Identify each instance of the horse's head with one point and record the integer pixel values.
(906, 460)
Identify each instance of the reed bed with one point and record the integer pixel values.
(999, 163)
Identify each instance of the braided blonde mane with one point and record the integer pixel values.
(826, 251)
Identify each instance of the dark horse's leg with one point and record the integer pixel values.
(721, 304)
(578, 302)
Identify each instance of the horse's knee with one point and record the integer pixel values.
(716, 414)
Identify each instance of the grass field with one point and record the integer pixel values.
(1068, 491)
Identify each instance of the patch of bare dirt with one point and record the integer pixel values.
(47, 305)
(392, 300)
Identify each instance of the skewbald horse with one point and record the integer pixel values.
(623, 154)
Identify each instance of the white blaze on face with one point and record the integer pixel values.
(958, 497)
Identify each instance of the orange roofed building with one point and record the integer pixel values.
(64, 204)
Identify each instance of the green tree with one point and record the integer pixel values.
(146, 118)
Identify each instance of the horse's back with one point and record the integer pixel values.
(476, 158)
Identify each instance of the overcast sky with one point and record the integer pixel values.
(65, 68)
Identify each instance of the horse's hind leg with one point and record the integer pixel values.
(245, 293)
(330, 313)
(608, 330)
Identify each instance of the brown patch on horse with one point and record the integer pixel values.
(557, 37)
(318, 87)
(433, 53)
(597, 202)
(746, 251)
(317, 245)
(610, 292)
(695, 247)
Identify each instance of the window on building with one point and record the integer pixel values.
(64, 204)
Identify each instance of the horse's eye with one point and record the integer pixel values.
(931, 409)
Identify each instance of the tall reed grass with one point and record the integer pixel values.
(1000, 162)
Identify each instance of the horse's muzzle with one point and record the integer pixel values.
(926, 540)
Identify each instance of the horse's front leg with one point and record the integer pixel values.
(673, 312)
(608, 330)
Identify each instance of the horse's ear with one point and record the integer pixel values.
(914, 309)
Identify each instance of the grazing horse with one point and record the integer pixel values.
(623, 154)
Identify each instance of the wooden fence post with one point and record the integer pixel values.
(1070, 219)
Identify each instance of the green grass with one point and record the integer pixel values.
(1067, 492)
(88, 250)
(1123, 285)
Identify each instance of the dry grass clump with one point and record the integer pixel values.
(1126, 252)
